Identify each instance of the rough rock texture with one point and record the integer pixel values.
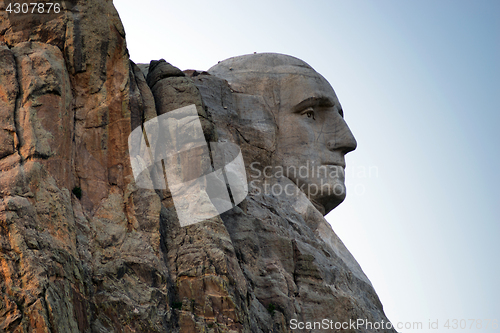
(83, 249)
(80, 243)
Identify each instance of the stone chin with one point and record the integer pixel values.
(331, 195)
(329, 203)
(324, 186)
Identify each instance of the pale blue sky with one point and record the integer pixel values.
(419, 82)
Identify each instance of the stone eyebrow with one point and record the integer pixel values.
(314, 101)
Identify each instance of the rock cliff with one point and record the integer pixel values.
(84, 249)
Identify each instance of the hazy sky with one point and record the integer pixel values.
(419, 82)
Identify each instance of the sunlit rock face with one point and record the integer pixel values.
(80, 243)
(83, 248)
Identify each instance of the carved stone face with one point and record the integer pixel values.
(287, 108)
(313, 138)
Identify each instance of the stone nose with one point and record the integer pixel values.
(343, 141)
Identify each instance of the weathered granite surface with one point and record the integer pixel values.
(84, 249)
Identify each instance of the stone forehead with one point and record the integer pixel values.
(264, 74)
(260, 64)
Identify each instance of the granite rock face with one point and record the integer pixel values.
(294, 264)
(80, 243)
(84, 249)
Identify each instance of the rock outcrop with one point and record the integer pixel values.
(84, 249)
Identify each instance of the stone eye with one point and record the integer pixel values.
(310, 114)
